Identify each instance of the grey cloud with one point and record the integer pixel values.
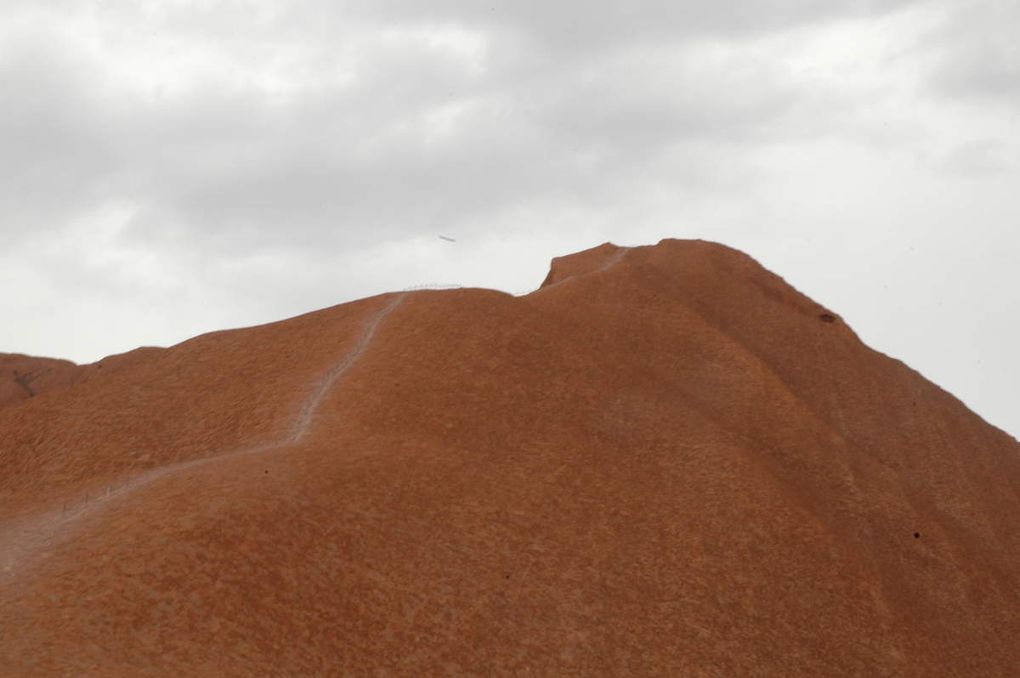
(329, 175)
(224, 165)
(55, 140)
(979, 158)
(978, 52)
(644, 102)
(576, 26)
(219, 166)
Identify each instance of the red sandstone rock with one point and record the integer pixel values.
(23, 377)
(665, 461)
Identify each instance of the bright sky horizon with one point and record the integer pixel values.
(178, 167)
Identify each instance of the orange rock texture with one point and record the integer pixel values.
(23, 377)
(665, 461)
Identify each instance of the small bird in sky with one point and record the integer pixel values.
(443, 237)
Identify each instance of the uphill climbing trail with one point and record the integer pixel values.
(24, 538)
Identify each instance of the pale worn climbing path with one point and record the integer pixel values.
(615, 259)
(25, 538)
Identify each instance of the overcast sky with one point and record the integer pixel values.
(174, 167)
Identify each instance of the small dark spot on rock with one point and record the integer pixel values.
(917, 535)
(827, 318)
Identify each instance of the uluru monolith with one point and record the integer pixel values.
(664, 461)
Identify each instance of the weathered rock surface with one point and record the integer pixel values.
(665, 461)
(23, 377)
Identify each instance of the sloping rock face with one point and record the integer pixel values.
(23, 377)
(665, 461)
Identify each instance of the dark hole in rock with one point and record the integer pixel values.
(917, 535)
(827, 318)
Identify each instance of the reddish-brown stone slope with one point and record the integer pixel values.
(665, 461)
(23, 377)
